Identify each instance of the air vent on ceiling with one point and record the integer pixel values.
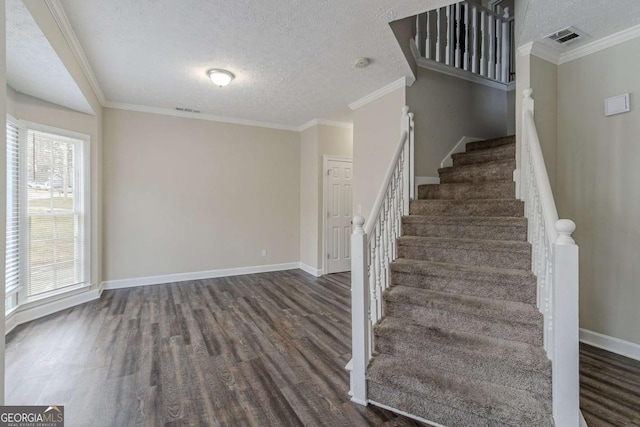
(566, 36)
(188, 110)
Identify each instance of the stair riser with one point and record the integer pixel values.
(481, 145)
(480, 257)
(513, 208)
(468, 323)
(484, 369)
(493, 190)
(490, 232)
(474, 157)
(479, 174)
(504, 291)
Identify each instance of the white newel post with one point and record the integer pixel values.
(566, 380)
(521, 174)
(359, 312)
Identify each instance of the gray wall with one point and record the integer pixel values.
(597, 185)
(447, 108)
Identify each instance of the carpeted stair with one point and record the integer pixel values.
(461, 340)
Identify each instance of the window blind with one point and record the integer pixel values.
(12, 249)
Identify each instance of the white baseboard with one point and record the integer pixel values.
(197, 275)
(33, 311)
(317, 272)
(614, 345)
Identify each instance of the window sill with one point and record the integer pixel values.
(48, 304)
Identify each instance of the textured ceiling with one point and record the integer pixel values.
(293, 59)
(33, 67)
(596, 18)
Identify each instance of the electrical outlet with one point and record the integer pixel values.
(264, 252)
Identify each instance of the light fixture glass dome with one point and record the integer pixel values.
(220, 77)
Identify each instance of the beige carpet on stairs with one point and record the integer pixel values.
(461, 340)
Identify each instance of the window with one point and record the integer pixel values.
(47, 211)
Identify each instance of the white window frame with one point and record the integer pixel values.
(84, 238)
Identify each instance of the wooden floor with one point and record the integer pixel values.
(265, 349)
(609, 388)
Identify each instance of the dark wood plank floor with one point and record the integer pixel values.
(609, 388)
(259, 350)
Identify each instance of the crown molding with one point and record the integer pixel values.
(70, 36)
(601, 44)
(199, 116)
(402, 82)
(316, 122)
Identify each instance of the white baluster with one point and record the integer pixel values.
(457, 35)
(379, 261)
(498, 66)
(373, 278)
(427, 43)
(506, 47)
(467, 36)
(417, 38)
(475, 45)
(449, 26)
(438, 35)
(491, 39)
(483, 43)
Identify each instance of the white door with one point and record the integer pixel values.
(338, 174)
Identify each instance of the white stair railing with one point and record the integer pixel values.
(468, 37)
(555, 263)
(373, 247)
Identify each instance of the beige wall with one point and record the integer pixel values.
(376, 133)
(12, 95)
(316, 142)
(447, 108)
(597, 185)
(309, 196)
(544, 82)
(186, 195)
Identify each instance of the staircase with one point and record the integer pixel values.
(461, 340)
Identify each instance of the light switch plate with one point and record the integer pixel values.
(617, 105)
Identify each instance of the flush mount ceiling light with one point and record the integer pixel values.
(220, 77)
(362, 62)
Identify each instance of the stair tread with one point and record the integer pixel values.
(489, 143)
(484, 151)
(471, 244)
(468, 207)
(483, 272)
(489, 400)
(466, 220)
(479, 166)
(497, 181)
(515, 353)
(507, 311)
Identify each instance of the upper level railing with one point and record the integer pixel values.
(555, 264)
(373, 247)
(468, 37)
